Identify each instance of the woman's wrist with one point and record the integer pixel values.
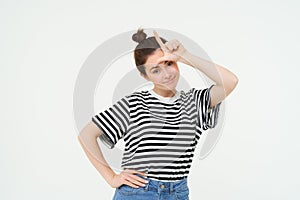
(110, 178)
(184, 58)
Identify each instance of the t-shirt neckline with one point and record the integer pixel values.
(165, 99)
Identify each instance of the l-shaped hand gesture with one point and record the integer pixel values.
(173, 50)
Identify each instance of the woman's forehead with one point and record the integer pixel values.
(153, 58)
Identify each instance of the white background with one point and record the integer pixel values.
(44, 44)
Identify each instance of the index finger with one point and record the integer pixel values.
(161, 44)
(167, 57)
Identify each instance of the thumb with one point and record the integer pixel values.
(168, 57)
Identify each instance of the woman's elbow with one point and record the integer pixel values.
(232, 85)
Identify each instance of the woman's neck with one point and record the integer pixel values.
(164, 93)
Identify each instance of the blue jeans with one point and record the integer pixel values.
(154, 190)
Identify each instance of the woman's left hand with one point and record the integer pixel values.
(173, 50)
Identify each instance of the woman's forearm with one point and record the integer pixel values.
(94, 154)
(220, 75)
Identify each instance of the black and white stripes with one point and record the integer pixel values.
(160, 137)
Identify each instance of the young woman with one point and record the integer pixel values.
(161, 127)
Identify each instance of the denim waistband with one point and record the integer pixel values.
(164, 186)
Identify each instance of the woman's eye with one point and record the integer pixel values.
(170, 63)
(154, 71)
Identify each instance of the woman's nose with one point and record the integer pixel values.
(167, 74)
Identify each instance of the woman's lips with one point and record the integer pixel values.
(169, 81)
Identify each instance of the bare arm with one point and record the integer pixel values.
(88, 140)
(225, 80)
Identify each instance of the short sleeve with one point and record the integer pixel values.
(207, 117)
(113, 122)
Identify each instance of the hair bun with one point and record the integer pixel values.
(139, 36)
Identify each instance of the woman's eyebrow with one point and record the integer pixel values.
(156, 66)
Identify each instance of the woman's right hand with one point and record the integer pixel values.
(127, 177)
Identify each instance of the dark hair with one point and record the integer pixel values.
(145, 48)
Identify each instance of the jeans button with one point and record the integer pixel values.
(162, 186)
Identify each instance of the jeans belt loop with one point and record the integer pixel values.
(147, 185)
(171, 187)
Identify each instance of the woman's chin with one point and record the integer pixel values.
(168, 87)
(171, 86)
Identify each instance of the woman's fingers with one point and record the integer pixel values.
(169, 49)
(170, 46)
(161, 44)
(131, 184)
(134, 180)
(175, 45)
(167, 57)
(139, 179)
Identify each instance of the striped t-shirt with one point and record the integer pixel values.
(160, 135)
